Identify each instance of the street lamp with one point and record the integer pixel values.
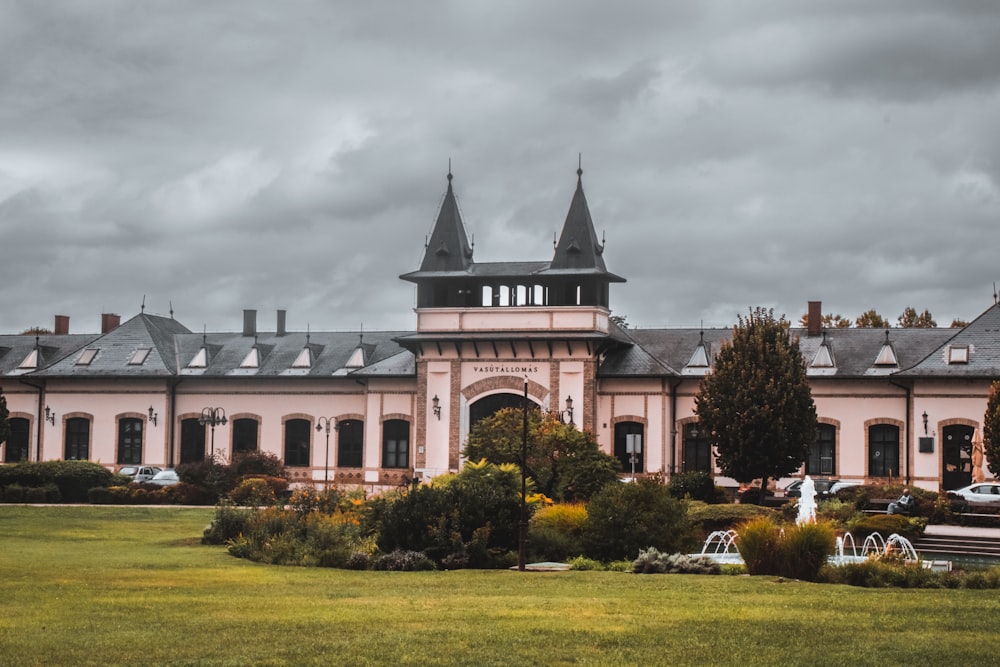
(566, 416)
(213, 417)
(522, 527)
(328, 422)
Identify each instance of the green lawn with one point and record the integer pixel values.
(128, 586)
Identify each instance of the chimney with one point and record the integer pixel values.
(815, 318)
(281, 323)
(249, 322)
(109, 322)
(62, 325)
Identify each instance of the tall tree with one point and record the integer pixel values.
(991, 428)
(830, 321)
(870, 319)
(910, 319)
(564, 462)
(958, 324)
(756, 406)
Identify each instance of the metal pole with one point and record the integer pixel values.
(522, 547)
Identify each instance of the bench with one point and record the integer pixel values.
(878, 506)
(974, 510)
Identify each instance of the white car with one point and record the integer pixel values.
(983, 492)
(139, 473)
(842, 485)
(165, 478)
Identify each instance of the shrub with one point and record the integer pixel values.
(186, 494)
(886, 525)
(624, 518)
(651, 561)
(212, 475)
(73, 478)
(585, 564)
(257, 463)
(13, 493)
(35, 494)
(101, 496)
(793, 551)
(805, 549)
(555, 532)
(758, 544)
(403, 561)
(253, 492)
(696, 486)
(709, 518)
(227, 524)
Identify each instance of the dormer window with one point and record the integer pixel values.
(252, 360)
(699, 359)
(87, 357)
(200, 360)
(824, 356)
(357, 359)
(138, 357)
(958, 354)
(886, 356)
(30, 361)
(304, 360)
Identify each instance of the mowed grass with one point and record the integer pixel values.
(129, 586)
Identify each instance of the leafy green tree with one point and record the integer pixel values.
(4, 416)
(756, 407)
(910, 319)
(620, 320)
(870, 319)
(958, 324)
(991, 428)
(564, 462)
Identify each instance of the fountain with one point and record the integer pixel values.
(807, 502)
(723, 547)
(720, 546)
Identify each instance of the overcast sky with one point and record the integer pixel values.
(219, 156)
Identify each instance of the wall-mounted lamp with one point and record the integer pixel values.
(152, 415)
(567, 415)
(436, 402)
(925, 422)
(50, 416)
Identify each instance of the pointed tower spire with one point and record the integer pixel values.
(448, 248)
(578, 247)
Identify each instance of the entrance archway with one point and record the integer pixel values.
(956, 455)
(487, 406)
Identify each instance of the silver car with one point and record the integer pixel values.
(139, 473)
(165, 478)
(983, 492)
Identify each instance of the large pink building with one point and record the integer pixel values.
(905, 404)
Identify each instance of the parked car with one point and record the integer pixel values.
(983, 492)
(165, 478)
(842, 485)
(794, 490)
(139, 473)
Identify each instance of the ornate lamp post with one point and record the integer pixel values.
(213, 417)
(328, 423)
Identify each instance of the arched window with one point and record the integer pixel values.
(298, 435)
(883, 450)
(129, 440)
(245, 435)
(696, 450)
(192, 440)
(630, 448)
(77, 439)
(350, 443)
(822, 453)
(396, 443)
(16, 448)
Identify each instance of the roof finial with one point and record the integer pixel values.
(204, 334)
(449, 171)
(579, 166)
(142, 307)
(171, 309)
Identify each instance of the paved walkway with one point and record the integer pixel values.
(963, 531)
